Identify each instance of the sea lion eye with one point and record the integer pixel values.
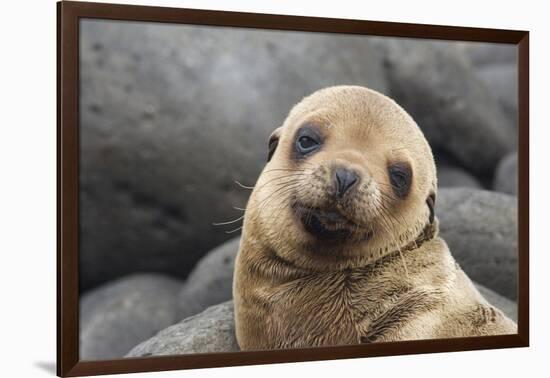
(307, 140)
(306, 143)
(400, 178)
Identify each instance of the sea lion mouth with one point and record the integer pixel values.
(326, 224)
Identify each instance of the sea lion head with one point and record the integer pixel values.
(350, 178)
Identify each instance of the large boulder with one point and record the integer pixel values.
(211, 281)
(506, 177)
(208, 332)
(171, 115)
(480, 228)
(458, 113)
(120, 314)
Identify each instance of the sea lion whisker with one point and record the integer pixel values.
(274, 179)
(404, 223)
(385, 226)
(233, 231)
(280, 189)
(285, 170)
(244, 186)
(404, 263)
(228, 222)
(279, 194)
(278, 180)
(392, 217)
(400, 253)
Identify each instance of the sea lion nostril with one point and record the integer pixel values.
(344, 179)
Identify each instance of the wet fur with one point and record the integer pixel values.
(400, 284)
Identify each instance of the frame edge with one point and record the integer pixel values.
(68, 363)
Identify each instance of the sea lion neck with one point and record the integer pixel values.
(284, 268)
(429, 232)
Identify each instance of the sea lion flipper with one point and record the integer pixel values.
(411, 304)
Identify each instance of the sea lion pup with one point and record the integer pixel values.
(340, 242)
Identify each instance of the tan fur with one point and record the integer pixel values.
(293, 291)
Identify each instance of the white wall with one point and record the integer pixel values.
(27, 188)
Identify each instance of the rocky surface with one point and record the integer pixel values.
(456, 110)
(118, 315)
(480, 228)
(449, 176)
(168, 124)
(496, 66)
(506, 177)
(214, 330)
(210, 331)
(210, 282)
(502, 81)
(488, 54)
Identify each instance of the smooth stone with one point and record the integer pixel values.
(118, 315)
(210, 331)
(502, 81)
(483, 54)
(506, 177)
(480, 228)
(210, 282)
(452, 176)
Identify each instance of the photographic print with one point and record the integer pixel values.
(252, 189)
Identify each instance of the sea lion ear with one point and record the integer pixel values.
(430, 201)
(273, 142)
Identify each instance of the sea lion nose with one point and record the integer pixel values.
(344, 180)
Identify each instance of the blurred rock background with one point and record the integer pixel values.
(172, 115)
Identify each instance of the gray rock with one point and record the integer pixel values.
(456, 111)
(210, 331)
(211, 281)
(506, 177)
(171, 115)
(502, 81)
(120, 314)
(480, 228)
(483, 54)
(452, 176)
(508, 307)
